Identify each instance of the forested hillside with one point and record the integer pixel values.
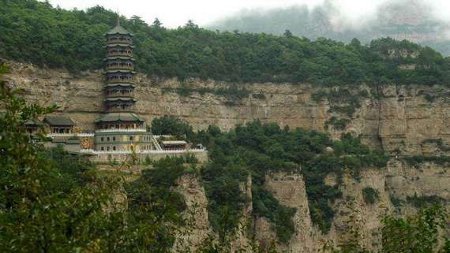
(412, 20)
(36, 32)
(51, 201)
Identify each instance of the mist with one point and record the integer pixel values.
(419, 21)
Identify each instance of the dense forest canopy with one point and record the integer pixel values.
(36, 32)
(413, 20)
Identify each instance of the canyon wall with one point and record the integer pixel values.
(355, 221)
(401, 119)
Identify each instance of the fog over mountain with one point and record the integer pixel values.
(414, 20)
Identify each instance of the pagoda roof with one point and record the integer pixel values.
(118, 29)
(33, 122)
(59, 121)
(120, 99)
(119, 82)
(111, 85)
(119, 116)
(119, 45)
(119, 57)
(120, 71)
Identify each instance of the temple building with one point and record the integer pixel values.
(119, 128)
(59, 124)
(119, 131)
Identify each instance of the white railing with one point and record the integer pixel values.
(163, 136)
(70, 135)
(156, 144)
(118, 130)
(85, 134)
(126, 152)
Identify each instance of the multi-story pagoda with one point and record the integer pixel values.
(120, 129)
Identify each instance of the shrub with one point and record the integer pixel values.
(370, 195)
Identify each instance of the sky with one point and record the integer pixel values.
(174, 13)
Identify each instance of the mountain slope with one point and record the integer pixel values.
(410, 20)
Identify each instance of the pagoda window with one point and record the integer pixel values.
(102, 148)
(114, 147)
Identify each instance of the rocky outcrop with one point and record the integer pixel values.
(290, 190)
(356, 221)
(400, 119)
(197, 228)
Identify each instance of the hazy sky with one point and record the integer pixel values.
(174, 13)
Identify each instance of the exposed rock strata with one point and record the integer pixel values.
(411, 120)
(400, 119)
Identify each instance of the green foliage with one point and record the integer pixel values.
(338, 124)
(370, 195)
(233, 94)
(36, 32)
(51, 201)
(424, 201)
(446, 246)
(281, 216)
(439, 143)
(342, 100)
(45, 204)
(170, 125)
(258, 149)
(155, 210)
(397, 202)
(416, 161)
(419, 233)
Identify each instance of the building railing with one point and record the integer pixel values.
(127, 152)
(119, 67)
(118, 41)
(70, 135)
(129, 95)
(120, 54)
(118, 130)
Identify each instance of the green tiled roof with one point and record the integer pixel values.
(59, 121)
(33, 122)
(119, 45)
(120, 99)
(112, 85)
(124, 117)
(118, 29)
(120, 71)
(119, 57)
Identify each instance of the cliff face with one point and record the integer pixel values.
(355, 222)
(408, 120)
(354, 217)
(412, 120)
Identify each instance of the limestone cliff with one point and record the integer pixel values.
(353, 216)
(198, 228)
(355, 222)
(402, 120)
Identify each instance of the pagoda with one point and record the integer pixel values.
(119, 128)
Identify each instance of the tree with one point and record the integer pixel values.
(51, 201)
(170, 125)
(40, 211)
(419, 233)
